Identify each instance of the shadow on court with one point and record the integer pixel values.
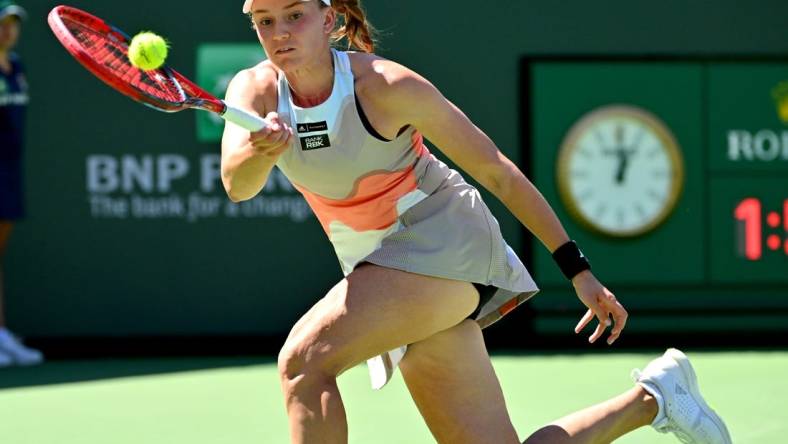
(72, 371)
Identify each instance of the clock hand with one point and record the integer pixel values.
(623, 154)
(631, 150)
(618, 176)
(623, 163)
(626, 154)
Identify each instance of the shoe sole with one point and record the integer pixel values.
(686, 368)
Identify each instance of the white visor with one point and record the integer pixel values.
(248, 5)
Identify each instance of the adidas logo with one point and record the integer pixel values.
(311, 127)
(680, 391)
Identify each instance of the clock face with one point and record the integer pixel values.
(620, 171)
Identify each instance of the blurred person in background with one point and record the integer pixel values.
(13, 103)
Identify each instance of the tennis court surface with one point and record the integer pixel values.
(237, 400)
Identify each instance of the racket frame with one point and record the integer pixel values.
(191, 95)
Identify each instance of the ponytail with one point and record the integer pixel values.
(355, 27)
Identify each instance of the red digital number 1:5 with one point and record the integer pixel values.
(749, 216)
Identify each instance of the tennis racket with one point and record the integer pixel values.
(103, 50)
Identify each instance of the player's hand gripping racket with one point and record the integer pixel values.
(103, 50)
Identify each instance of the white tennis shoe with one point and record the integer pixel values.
(13, 349)
(682, 410)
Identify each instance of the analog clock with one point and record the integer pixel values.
(620, 171)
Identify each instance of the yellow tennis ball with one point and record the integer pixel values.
(148, 51)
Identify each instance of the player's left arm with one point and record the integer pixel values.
(419, 103)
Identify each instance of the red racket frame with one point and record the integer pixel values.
(188, 94)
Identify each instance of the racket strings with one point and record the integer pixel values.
(112, 54)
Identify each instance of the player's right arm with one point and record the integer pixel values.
(247, 158)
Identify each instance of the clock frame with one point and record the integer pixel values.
(658, 130)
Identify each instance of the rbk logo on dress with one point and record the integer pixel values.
(313, 142)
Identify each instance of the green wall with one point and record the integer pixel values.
(253, 270)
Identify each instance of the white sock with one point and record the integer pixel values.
(653, 391)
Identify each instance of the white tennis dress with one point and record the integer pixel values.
(394, 204)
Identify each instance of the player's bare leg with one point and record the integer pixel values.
(667, 396)
(456, 391)
(602, 423)
(455, 388)
(372, 311)
(452, 381)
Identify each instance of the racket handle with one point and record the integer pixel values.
(244, 119)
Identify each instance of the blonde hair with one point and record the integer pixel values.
(360, 34)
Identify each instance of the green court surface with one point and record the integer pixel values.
(237, 400)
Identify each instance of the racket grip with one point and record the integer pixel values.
(244, 119)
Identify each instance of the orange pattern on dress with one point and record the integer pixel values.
(373, 205)
(508, 306)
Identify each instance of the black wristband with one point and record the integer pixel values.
(570, 260)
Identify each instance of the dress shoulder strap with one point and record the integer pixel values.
(341, 61)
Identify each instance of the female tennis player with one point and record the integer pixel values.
(425, 265)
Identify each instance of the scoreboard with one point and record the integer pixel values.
(748, 172)
(672, 175)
